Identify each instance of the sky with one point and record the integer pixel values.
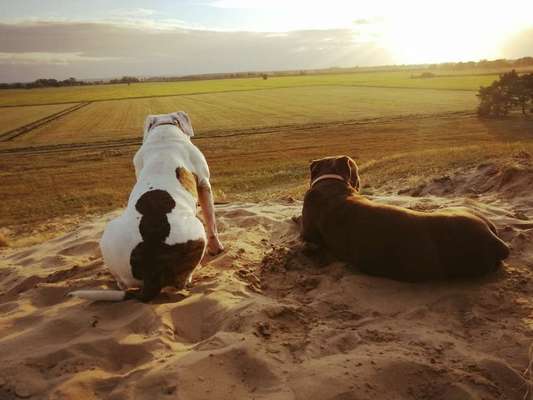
(111, 38)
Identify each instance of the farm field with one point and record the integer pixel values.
(258, 142)
(223, 113)
(12, 118)
(401, 79)
(391, 154)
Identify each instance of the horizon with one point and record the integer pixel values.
(197, 37)
(242, 74)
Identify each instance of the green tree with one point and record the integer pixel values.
(507, 93)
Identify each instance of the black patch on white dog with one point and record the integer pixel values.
(153, 261)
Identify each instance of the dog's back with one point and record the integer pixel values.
(399, 243)
(468, 243)
(158, 240)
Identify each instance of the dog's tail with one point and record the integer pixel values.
(100, 295)
(502, 249)
(144, 294)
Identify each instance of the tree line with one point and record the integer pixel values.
(49, 82)
(511, 92)
(485, 64)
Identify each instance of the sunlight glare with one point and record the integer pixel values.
(411, 31)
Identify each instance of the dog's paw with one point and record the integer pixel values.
(214, 246)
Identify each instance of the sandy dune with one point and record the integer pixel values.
(266, 321)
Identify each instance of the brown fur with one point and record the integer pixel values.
(391, 241)
(188, 180)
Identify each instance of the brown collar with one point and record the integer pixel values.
(327, 176)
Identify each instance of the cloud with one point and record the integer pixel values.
(248, 4)
(134, 12)
(92, 50)
(369, 21)
(39, 58)
(145, 18)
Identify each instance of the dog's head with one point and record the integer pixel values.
(178, 118)
(337, 165)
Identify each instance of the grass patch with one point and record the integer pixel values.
(400, 79)
(3, 240)
(12, 118)
(213, 114)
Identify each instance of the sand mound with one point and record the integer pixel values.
(512, 180)
(265, 320)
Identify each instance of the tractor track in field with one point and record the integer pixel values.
(17, 132)
(223, 134)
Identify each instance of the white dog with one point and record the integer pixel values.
(158, 240)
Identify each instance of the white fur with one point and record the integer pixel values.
(165, 148)
(102, 295)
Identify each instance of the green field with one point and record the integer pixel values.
(120, 91)
(225, 112)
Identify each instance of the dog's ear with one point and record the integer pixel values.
(148, 123)
(184, 122)
(347, 168)
(355, 180)
(314, 168)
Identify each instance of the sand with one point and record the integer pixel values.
(265, 320)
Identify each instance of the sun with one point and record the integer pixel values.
(419, 41)
(440, 32)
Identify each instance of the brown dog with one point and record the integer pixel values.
(391, 241)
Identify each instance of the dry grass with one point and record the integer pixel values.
(15, 117)
(3, 240)
(258, 167)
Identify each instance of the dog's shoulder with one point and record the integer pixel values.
(198, 165)
(188, 180)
